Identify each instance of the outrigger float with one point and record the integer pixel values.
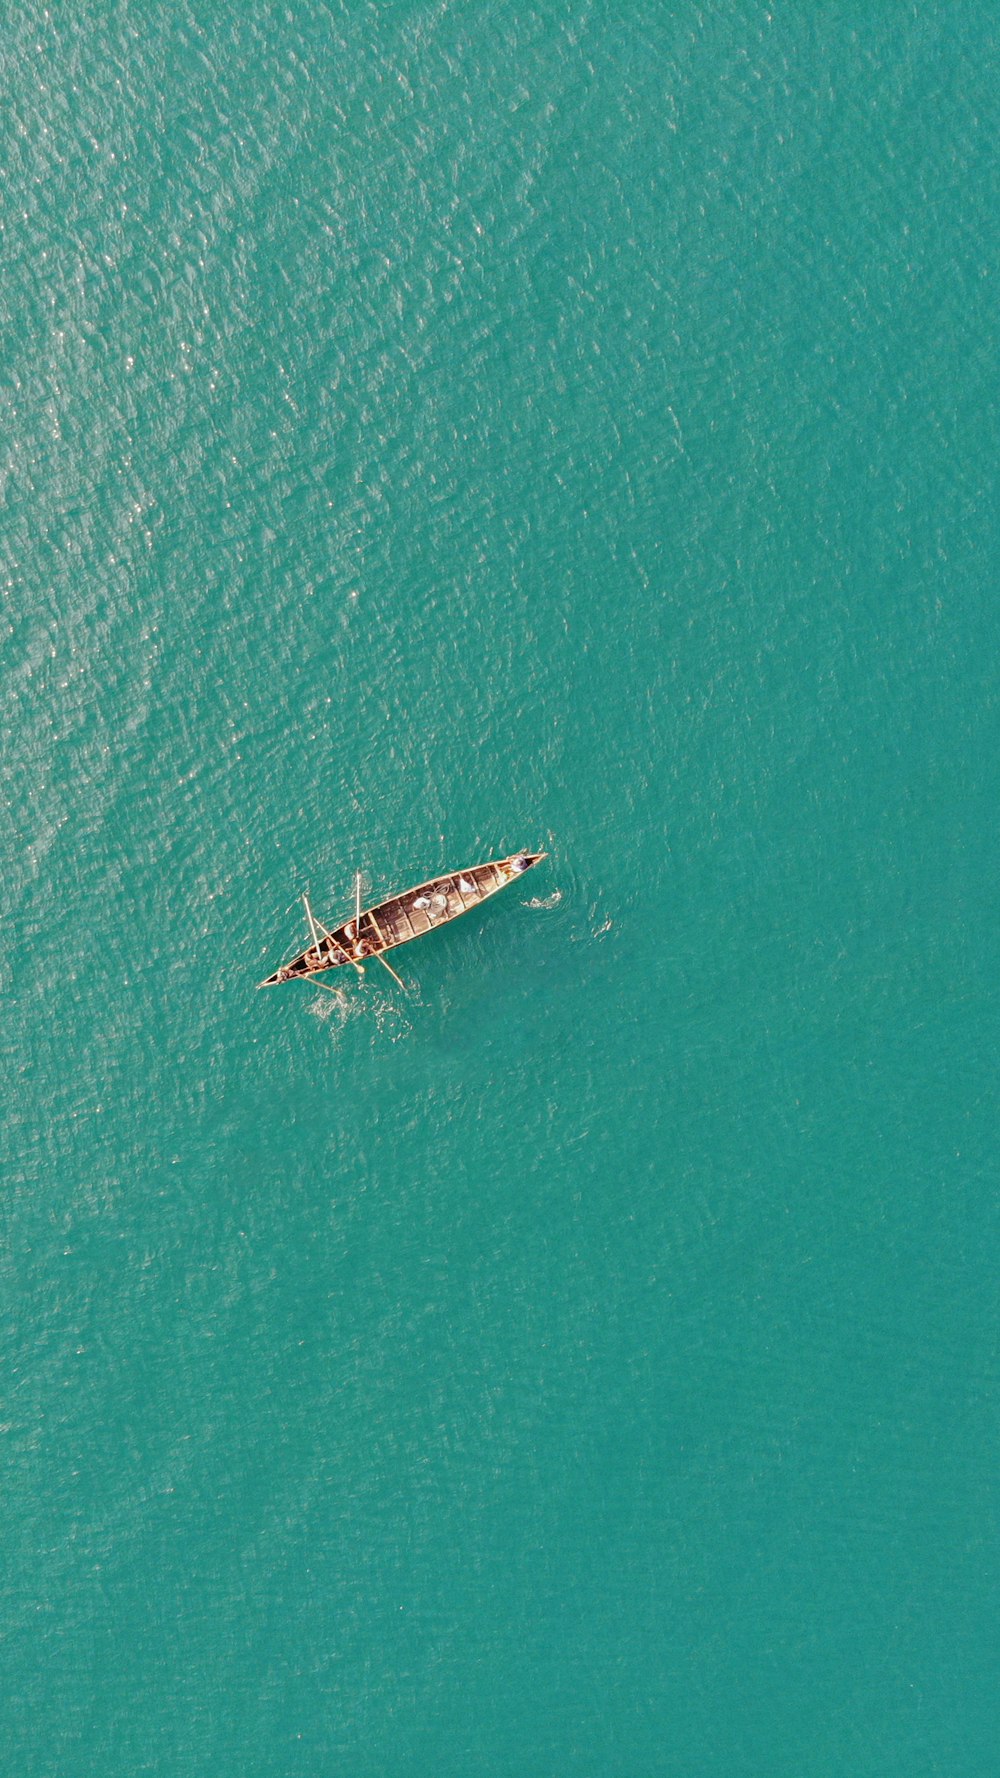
(392, 923)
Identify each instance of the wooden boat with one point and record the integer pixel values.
(375, 930)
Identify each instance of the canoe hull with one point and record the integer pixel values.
(404, 917)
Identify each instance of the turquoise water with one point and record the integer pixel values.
(430, 431)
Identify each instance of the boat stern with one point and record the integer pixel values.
(271, 981)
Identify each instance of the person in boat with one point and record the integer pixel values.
(521, 862)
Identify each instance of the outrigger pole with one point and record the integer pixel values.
(392, 972)
(357, 931)
(313, 922)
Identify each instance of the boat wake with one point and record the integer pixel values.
(545, 901)
(338, 1007)
(334, 1009)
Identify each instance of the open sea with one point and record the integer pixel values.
(429, 430)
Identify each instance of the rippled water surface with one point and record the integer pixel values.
(431, 430)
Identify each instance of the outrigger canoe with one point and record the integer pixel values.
(375, 930)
